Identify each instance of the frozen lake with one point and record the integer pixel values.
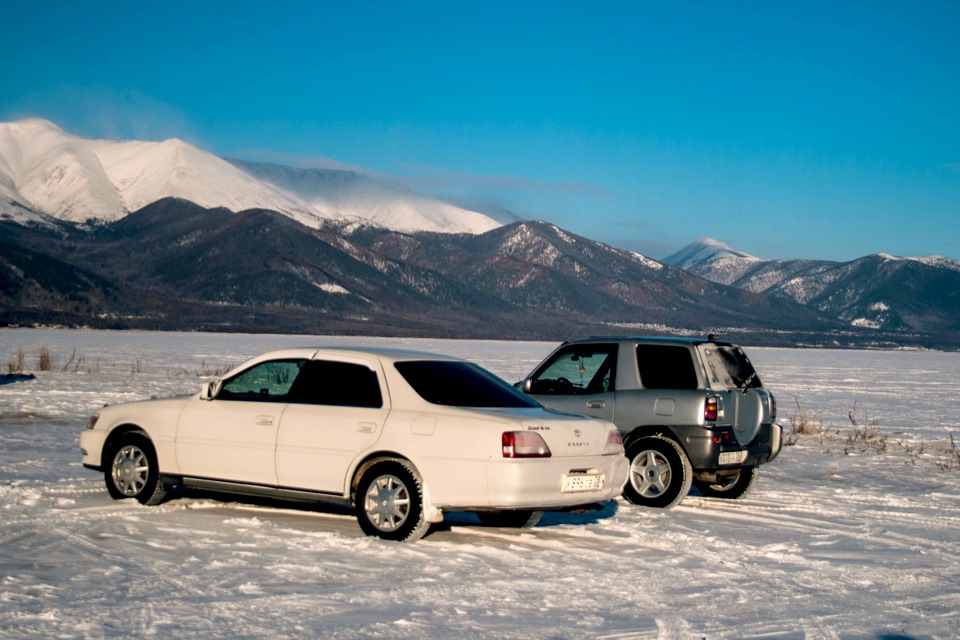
(835, 541)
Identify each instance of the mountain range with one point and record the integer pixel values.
(878, 291)
(45, 172)
(164, 235)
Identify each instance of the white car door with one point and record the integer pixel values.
(337, 410)
(233, 437)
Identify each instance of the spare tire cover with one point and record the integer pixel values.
(749, 415)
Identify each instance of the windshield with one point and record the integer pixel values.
(729, 368)
(460, 384)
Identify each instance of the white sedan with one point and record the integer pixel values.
(400, 436)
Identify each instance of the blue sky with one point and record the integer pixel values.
(821, 130)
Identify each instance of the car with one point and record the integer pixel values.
(692, 411)
(399, 436)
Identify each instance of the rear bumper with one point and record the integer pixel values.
(704, 453)
(536, 484)
(525, 485)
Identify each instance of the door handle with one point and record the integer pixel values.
(596, 404)
(264, 421)
(367, 427)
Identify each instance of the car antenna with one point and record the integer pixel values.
(592, 315)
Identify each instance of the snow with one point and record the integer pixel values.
(50, 171)
(713, 260)
(647, 262)
(352, 195)
(837, 541)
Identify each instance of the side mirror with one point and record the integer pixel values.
(209, 390)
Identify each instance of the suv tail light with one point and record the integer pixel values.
(524, 444)
(773, 408)
(614, 443)
(711, 410)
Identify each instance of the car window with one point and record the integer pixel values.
(460, 384)
(577, 369)
(342, 384)
(265, 382)
(729, 367)
(666, 367)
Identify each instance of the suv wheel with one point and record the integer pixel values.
(735, 487)
(660, 474)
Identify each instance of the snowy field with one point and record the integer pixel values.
(839, 540)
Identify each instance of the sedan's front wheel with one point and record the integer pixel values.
(660, 474)
(389, 502)
(132, 471)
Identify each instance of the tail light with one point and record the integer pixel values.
(773, 408)
(93, 421)
(614, 443)
(711, 410)
(524, 444)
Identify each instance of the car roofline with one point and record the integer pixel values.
(384, 353)
(680, 340)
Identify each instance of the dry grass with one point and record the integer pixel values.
(45, 361)
(802, 424)
(865, 438)
(948, 456)
(18, 362)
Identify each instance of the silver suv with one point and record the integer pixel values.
(691, 411)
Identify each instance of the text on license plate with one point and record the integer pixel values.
(583, 482)
(733, 457)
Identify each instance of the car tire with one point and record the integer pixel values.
(736, 487)
(513, 519)
(660, 473)
(132, 471)
(389, 502)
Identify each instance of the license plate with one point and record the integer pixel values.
(583, 482)
(733, 457)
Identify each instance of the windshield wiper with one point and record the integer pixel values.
(746, 383)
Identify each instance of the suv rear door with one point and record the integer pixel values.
(732, 377)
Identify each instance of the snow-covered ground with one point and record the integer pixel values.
(837, 541)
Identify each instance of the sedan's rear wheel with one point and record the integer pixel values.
(133, 472)
(514, 519)
(389, 502)
(660, 474)
(734, 487)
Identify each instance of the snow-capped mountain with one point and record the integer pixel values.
(46, 171)
(346, 194)
(174, 264)
(709, 256)
(879, 291)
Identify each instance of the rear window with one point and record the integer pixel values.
(666, 367)
(729, 368)
(460, 384)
